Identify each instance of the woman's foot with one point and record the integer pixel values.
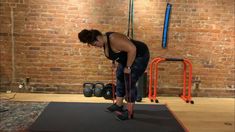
(124, 115)
(114, 107)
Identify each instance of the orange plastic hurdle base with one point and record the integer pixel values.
(186, 94)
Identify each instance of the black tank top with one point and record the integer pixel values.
(121, 57)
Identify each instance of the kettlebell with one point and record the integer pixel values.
(88, 89)
(98, 89)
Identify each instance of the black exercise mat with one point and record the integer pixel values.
(91, 117)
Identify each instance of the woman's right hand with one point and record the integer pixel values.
(127, 70)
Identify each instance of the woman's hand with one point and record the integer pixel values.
(127, 70)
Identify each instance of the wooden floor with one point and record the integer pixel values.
(205, 115)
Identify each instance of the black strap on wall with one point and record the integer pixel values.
(130, 29)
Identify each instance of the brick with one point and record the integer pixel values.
(55, 69)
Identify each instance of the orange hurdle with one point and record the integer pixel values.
(185, 96)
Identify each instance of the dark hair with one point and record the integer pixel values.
(88, 36)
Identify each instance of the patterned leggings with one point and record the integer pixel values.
(137, 69)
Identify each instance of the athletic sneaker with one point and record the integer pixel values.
(124, 115)
(115, 107)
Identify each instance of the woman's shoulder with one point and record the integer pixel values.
(115, 36)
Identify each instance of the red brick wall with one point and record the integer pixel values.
(47, 49)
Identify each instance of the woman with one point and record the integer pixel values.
(132, 56)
